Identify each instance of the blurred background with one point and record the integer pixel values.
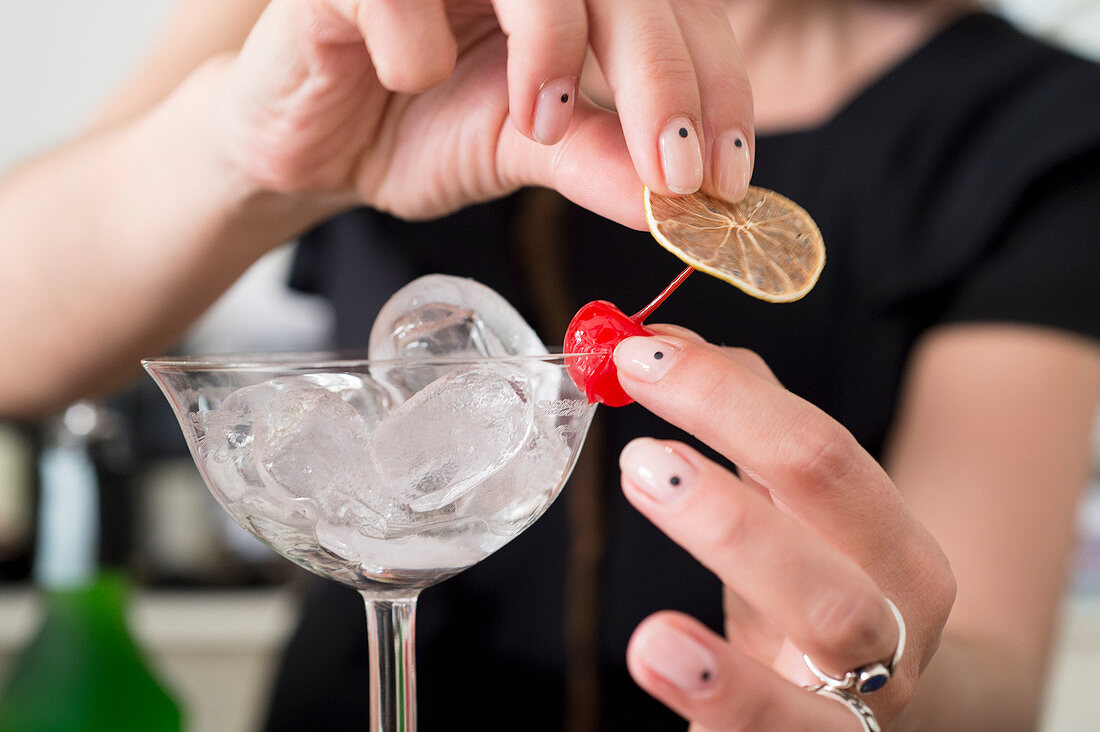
(212, 606)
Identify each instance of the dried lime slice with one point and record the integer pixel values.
(765, 244)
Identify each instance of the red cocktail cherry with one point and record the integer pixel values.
(595, 331)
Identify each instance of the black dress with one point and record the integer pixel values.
(964, 185)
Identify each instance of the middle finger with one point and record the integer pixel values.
(680, 90)
(652, 77)
(807, 460)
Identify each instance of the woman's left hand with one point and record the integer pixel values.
(809, 542)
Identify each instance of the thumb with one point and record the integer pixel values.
(591, 166)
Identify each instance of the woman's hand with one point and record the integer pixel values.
(420, 107)
(808, 541)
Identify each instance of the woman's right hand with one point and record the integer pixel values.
(420, 107)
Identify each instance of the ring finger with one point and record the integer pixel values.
(814, 594)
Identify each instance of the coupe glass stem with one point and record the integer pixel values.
(391, 630)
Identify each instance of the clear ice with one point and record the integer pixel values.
(293, 449)
(417, 466)
(453, 434)
(442, 315)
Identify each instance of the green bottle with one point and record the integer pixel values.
(82, 671)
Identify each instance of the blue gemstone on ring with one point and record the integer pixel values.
(871, 677)
(873, 683)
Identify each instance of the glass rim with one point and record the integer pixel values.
(332, 359)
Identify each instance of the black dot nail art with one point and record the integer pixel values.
(658, 355)
(738, 142)
(674, 480)
(683, 132)
(564, 98)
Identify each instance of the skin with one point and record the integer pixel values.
(808, 489)
(275, 120)
(317, 112)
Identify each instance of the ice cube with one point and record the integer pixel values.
(436, 330)
(509, 500)
(423, 551)
(337, 539)
(451, 435)
(442, 315)
(226, 434)
(293, 449)
(439, 329)
(311, 443)
(224, 443)
(370, 400)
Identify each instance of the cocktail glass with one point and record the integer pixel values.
(388, 476)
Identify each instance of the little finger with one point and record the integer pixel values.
(703, 678)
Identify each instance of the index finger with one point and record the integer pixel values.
(806, 459)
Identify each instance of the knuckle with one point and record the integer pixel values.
(751, 360)
(848, 622)
(945, 597)
(667, 72)
(734, 523)
(818, 451)
(930, 578)
(554, 31)
(412, 78)
(746, 356)
(661, 62)
(728, 100)
(723, 383)
(548, 35)
(941, 593)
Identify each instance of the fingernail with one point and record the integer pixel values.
(732, 166)
(677, 330)
(658, 470)
(681, 156)
(554, 110)
(645, 358)
(678, 658)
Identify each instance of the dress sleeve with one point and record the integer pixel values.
(1044, 268)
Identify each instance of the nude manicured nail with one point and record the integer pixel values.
(658, 470)
(678, 331)
(681, 156)
(645, 358)
(554, 110)
(732, 166)
(678, 658)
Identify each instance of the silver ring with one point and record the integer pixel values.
(854, 703)
(869, 677)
